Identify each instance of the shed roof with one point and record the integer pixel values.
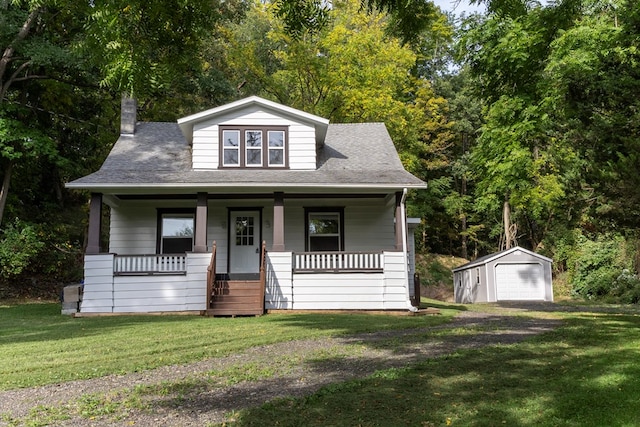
(488, 258)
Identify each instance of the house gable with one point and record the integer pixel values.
(506, 254)
(303, 134)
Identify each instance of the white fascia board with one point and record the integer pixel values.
(500, 255)
(186, 123)
(234, 188)
(249, 101)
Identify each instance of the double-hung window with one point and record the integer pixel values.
(276, 140)
(253, 147)
(324, 229)
(231, 148)
(175, 231)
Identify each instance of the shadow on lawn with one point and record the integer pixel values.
(36, 322)
(584, 373)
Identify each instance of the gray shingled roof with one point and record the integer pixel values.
(354, 155)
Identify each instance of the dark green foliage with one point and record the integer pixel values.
(602, 268)
(626, 288)
(19, 246)
(409, 17)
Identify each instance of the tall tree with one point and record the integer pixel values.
(409, 17)
(146, 46)
(593, 82)
(352, 70)
(466, 113)
(34, 46)
(521, 168)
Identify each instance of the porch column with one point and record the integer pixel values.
(95, 224)
(200, 243)
(399, 221)
(278, 222)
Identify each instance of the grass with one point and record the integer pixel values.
(586, 373)
(39, 346)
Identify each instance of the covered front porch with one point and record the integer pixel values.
(295, 281)
(245, 258)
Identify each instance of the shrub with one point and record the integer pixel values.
(20, 244)
(626, 288)
(602, 268)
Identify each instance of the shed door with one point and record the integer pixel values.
(519, 282)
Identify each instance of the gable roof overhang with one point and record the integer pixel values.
(313, 186)
(492, 257)
(319, 123)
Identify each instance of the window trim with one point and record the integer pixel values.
(283, 148)
(161, 212)
(225, 148)
(313, 210)
(243, 148)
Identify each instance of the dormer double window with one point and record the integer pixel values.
(253, 147)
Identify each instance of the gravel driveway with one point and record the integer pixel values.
(296, 369)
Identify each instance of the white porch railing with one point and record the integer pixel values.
(149, 264)
(323, 262)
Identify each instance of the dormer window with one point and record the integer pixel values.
(253, 147)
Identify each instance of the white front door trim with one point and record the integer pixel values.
(244, 241)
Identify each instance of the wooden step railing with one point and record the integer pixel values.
(229, 297)
(211, 273)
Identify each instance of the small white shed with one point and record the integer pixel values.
(515, 274)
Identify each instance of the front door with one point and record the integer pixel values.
(244, 244)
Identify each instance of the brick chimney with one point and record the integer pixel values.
(128, 118)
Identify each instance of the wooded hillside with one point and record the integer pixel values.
(523, 120)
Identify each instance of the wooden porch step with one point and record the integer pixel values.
(212, 312)
(236, 298)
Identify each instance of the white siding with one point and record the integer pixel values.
(133, 230)
(98, 284)
(196, 282)
(396, 292)
(279, 286)
(217, 232)
(157, 293)
(362, 291)
(302, 143)
(294, 224)
(329, 291)
(105, 293)
(369, 226)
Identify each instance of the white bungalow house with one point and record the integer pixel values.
(248, 207)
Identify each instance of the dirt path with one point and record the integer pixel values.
(199, 397)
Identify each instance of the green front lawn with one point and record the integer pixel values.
(586, 373)
(39, 346)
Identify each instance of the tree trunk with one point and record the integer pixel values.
(4, 190)
(510, 230)
(463, 192)
(506, 220)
